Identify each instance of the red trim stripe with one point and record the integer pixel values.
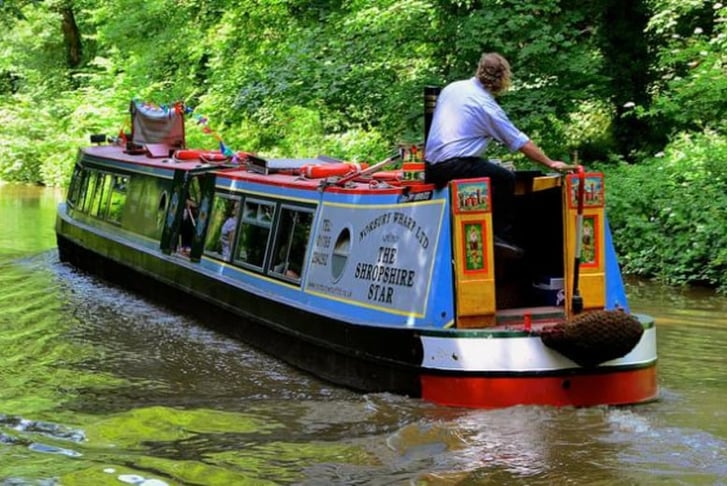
(583, 390)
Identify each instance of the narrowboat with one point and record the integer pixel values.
(368, 277)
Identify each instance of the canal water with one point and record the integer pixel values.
(99, 386)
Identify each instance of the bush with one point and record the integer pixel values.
(668, 213)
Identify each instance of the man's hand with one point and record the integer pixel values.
(533, 152)
(560, 166)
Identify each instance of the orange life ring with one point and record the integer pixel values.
(319, 171)
(187, 154)
(213, 157)
(388, 175)
(197, 154)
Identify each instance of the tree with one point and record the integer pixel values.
(71, 35)
(627, 63)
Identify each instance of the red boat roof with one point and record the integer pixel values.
(278, 177)
(115, 152)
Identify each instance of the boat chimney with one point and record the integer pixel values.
(431, 93)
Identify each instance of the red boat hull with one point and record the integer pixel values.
(600, 387)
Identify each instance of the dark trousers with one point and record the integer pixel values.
(502, 186)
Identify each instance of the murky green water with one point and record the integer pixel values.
(99, 386)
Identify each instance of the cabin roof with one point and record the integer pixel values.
(361, 185)
(116, 152)
(281, 178)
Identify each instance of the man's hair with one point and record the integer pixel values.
(494, 73)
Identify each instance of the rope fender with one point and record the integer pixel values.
(595, 337)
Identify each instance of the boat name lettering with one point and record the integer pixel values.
(378, 221)
(399, 218)
(385, 274)
(381, 293)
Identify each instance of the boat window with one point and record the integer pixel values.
(163, 202)
(222, 226)
(146, 204)
(194, 192)
(118, 198)
(191, 214)
(254, 232)
(341, 250)
(100, 196)
(291, 242)
(82, 189)
(162, 209)
(89, 190)
(74, 191)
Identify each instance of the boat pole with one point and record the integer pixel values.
(374, 168)
(576, 299)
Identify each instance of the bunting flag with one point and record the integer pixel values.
(122, 136)
(203, 121)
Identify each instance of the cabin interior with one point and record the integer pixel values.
(538, 230)
(497, 286)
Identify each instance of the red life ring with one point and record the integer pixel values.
(388, 175)
(203, 155)
(319, 171)
(213, 157)
(188, 154)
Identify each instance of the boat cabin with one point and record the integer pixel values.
(400, 250)
(379, 245)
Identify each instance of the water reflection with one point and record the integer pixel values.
(152, 347)
(27, 214)
(101, 386)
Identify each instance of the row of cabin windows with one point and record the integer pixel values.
(99, 194)
(240, 231)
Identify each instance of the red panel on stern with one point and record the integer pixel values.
(579, 390)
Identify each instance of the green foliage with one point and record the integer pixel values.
(300, 131)
(33, 55)
(345, 78)
(38, 146)
(589, 130)
(668, 213)
(292, 77)
(360, 70)
(691, 92)
(25, 149)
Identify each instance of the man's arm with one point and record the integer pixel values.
(533, 152)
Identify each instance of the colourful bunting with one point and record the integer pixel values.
(203, 120)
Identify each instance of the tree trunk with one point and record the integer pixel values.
(71, 37)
